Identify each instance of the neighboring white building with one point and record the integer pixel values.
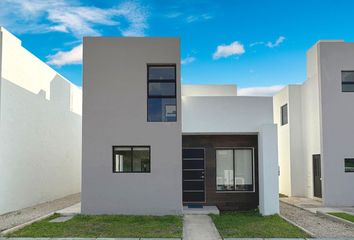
(40, 129)
(151, 146)
(315, 127)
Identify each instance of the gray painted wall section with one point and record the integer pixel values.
(115, 113)
(337, 117)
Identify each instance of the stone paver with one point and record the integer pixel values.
(72, 210)
(199, 227)
(319, 226)
(61, 219)
(25, 215)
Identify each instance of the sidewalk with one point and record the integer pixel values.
(29, 214)
(313, 205)
(199, 227)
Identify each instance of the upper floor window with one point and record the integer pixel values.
(131, 159)
(284, 114)
(162, 103)
(347, 81)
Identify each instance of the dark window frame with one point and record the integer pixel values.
(282, 120)
(346, 83)
(234, 172)
(131, 152)
(345, 163)
(160, 81)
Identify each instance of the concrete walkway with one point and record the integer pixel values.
(320, 227)
(26, 215)
(313, 205)
(199, 227)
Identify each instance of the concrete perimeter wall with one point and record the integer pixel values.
(40, 130)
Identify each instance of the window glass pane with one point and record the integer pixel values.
(162, 110)
(162, 73)
(162, 89)
(284, 114)
(243, 170)
(349, 165)
(348, 76)
(224, 170)
(348, 87)
(122, 158)
(141, 159)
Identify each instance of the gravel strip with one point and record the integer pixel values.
(22, 216)
(319, 226)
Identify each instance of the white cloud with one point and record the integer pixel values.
(195, 18)
(269, 44)
(256, 43)
(188, 60)
(73, 56)
(234, 48)
(38, 16)
(59, 28)
(276, 43)
(136, 16)
(259, 91)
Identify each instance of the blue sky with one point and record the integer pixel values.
(258, 45)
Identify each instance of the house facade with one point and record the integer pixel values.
(152, 146)
(40, 129)
(315, 127)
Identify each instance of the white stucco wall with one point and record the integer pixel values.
(40, 133)
(209, 90)
(279, 100)
(268, 170)
(115, 113)
(228, 114)
(311, 125)
(337, 118)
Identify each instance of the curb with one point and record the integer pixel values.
(335, 218)
(68, 238)
(297, 225)
(15, 228)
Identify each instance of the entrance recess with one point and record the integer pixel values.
(317, 186)
(193, 175)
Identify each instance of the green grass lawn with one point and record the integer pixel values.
(253, 225)
(345, 216)
(105, 226)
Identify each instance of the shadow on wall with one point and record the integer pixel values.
(40, 144)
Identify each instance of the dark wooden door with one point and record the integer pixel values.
(193, 175)
(317, 186)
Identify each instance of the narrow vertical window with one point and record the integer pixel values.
(162, 105)
(284, 114)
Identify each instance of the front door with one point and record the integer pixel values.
(193, 175)
(317, 186)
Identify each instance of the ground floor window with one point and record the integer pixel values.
(349, 164)
(234, 169)
(131, 159)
